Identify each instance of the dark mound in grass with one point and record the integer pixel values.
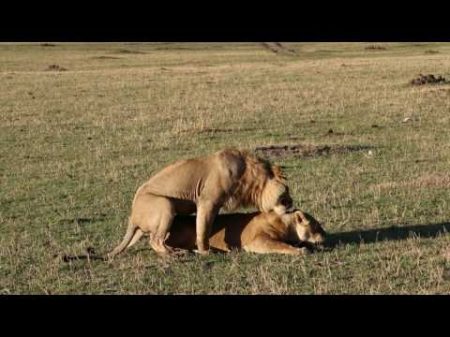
(307, 150)
(55, 67)
(103, 57)
(427, 79)
(375, 47)
(129, 51)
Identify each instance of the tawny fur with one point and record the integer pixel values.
(249, 189)
(251, 232)
(204, 185)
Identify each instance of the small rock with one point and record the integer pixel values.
(407, 119)
(446, 274)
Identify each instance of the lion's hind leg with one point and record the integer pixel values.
(158, 244)
(159, 223)
(264, 244)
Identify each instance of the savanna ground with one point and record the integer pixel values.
(83, 125)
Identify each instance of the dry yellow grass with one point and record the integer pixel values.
(75, 145)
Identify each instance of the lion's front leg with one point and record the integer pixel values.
(206, 213)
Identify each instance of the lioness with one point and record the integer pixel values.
(252, 232)
(229, 178)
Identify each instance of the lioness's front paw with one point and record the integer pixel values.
(303, 251)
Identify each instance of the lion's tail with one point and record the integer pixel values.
(132, 234)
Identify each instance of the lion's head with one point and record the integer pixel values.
(275, 194)
(304, 227)
(262, 185)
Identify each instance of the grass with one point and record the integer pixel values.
(76, 144)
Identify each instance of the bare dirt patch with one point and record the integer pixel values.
(55, 67)
(215, 130)
(278, 47)
(129, 51)
(375, 47)
(268, 46)
(223, 130)
(103, 57)
(307, 150)
(428, 79)
(173, 48)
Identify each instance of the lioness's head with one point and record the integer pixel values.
(305, 228)
(275, 195)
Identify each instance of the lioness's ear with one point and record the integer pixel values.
(300, 217)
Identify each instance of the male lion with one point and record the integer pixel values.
(228, 178)
(257, 232)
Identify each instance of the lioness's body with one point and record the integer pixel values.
(229, 178)
(252, 232)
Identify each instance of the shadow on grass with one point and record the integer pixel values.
(387, 234)
(90, 254)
